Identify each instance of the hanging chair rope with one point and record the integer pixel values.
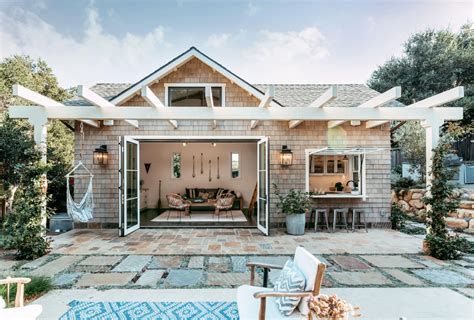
(80, 211)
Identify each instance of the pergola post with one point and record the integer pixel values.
(432, 130)
(40, 134)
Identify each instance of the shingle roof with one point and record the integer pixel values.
(348, 95)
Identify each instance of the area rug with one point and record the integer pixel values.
(206, 310)
(201, 216)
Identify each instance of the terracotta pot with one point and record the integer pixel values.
(425, 248)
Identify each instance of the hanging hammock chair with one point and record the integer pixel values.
(81, 211)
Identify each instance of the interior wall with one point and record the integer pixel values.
(327, 181)
(159, 155)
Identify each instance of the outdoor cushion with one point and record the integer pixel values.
(249, 306)
(308, 264)
(30, 312)
(291, 279)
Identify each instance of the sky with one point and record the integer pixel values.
(87, 42)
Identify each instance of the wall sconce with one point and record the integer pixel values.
(100, 155)
(286, 156)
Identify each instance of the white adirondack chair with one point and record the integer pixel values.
(259, 302)
(19, 312)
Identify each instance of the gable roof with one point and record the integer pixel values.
(287, 95)
(177, 62)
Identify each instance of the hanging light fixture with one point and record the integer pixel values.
(184, 144)
(286, 156)
(100, 155)
(214, 144)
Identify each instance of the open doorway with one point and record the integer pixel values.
(199, 172)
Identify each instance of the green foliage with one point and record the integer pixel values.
(24, 230)
(447, 248)
(16, 144)
(410, 138)
(296, 201)
(398, 217)
(338, 186)
(440, 202)
(36, 288)
(405, 183)
(433, 61)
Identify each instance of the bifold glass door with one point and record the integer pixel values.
(263, 196)
(129, 176)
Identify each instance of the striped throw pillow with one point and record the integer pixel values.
(291, 280)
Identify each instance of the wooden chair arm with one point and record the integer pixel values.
(9, 280)
(263, 295)
(20, 289)
(276, 294)
(264, 265)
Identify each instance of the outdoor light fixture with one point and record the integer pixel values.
(101, 155)
(286, 156)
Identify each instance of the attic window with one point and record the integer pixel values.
(193, 96)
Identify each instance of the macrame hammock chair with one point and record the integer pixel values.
(80, 211)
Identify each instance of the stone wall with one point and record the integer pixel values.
(308, 135)
(462, 219)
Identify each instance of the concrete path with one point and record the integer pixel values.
(375, 303)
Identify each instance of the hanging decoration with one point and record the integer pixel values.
(194, 172)
(202, 168)
(82, 210)
(218, 174)
(210, 178)
(147, 167)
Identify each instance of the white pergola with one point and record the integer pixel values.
(374, 112)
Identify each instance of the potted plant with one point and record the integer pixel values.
(294, 205)
(339, 186)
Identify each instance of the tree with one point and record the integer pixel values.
(16, 144)
(432, 62)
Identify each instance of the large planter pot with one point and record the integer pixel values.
(295, 223)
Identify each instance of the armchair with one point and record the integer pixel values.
(175, 201)
(19, 312)
(313, 271)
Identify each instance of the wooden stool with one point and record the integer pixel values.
(361, 214)
(343, 213)
(324, 213)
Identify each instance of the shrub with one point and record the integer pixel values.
(397, 217)
(447, 248)
(36, 288)
(404, 183)
(24, 230)
(296, 201)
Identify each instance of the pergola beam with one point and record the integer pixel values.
(37, 98)
(237, 113)
(154, 101)
(100, 102)
(375, 102)
(335, 123)
(264, 103)
(383, 98)
(374, 123)
(328, 95)
(210, 103)
(440, 99)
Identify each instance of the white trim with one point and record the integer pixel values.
(373, 124)
(153, 100)
(383, 98)
(440, 99)
(327, 96)
(126, 230)
(335, 123)
(194, 84)
(180, 138)
(192, 53)
(264, 103)
(237, 113)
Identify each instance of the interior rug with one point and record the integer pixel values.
(206, 310)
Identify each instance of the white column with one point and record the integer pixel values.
(40, 133)
(432, 129)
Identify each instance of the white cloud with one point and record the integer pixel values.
(97, 57)
(252, 9)
(293, 56)
(217, 40)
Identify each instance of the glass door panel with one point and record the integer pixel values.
(131, 186)
(263, 197)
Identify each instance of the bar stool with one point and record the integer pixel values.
(340, 213)
(324, 214)
(360, 213)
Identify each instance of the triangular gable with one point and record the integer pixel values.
(179, 61)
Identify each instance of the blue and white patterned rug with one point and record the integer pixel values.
(208, 310)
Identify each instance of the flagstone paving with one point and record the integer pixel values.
(402, 266)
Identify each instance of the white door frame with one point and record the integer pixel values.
(125, 230)
(265, 229)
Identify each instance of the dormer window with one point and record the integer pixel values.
(193, 95)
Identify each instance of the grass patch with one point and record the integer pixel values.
(36, 288)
